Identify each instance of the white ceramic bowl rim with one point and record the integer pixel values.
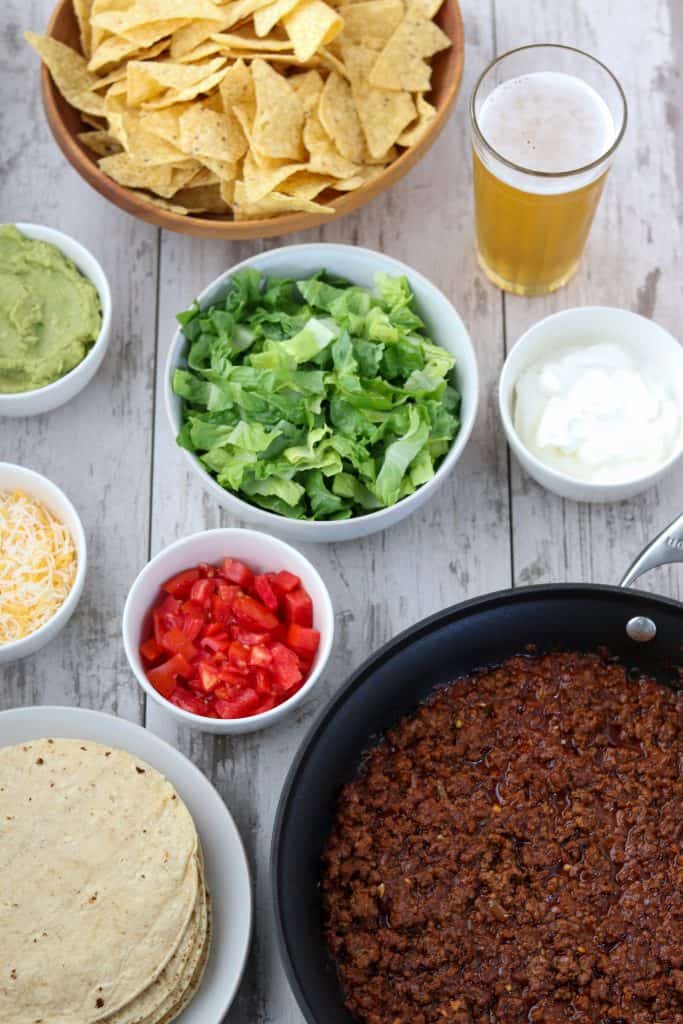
(56, 238)
(229, 532)
(72, 598)
(466, 422)
(555, 474)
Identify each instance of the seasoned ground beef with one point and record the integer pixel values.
(512, 853)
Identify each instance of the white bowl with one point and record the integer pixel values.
(261, 553)
(43, 490)
(657, 348)
(30, 403)
(360, 266)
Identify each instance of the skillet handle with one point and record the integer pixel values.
(666, 548)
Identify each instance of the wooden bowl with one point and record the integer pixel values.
(65, 122)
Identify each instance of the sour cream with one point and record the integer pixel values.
(597, 412)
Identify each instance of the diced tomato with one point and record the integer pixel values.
(227, 643)
(194, 619)
(182, 698)
(163, 677)
(260, 656)
(230, 679)
(263, 681)
(298, 608)
(249, 637)
(240, 706)
(222, 601)
(179, 586)
(165, 617)
(217, 642)
(236, 572)
(150, 650)
(286, 670)
(265, 592)
(175, 642)
(266, 704)
(238, 656)
(284, 581)
(209, 676)
(202, 592)
(304, 641)
(253, 614)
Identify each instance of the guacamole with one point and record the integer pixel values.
(50, 314)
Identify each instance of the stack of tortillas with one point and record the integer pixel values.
(104, 913)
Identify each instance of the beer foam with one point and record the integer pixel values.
(546, 121)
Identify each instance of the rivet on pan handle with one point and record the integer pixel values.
(666, 548)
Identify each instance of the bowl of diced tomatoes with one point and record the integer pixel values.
(229, 629)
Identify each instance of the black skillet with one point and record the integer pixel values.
(644, 632)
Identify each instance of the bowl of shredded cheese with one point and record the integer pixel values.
(42, 561)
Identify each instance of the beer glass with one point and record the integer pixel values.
(546, 123)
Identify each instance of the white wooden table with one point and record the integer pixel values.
(489, 528)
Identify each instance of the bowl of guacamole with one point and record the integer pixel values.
(55, 318)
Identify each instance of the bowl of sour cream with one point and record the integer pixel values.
(591, 401)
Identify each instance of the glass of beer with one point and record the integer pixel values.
(546, 123)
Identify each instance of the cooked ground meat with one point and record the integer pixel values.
(512, 853)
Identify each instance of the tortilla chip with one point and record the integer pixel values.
(308, 85)
(204, 85)
(371, 22)
(365, 175)
(100, 141)
(69, 72)
(402, 65)
(279, 117)
(145, 12)
(425, 115)
(267, 17)
(240, 41)
(166, 123)
(115, 49)
(202, 199)
(325, 158)
(206, 132)
(82, 11)
(146, 145)
(163, 204)
(339, 117)
(310, 25)
(150, 78)
(133, 172)
(237, 87)
(383, 113)
(259, 181)
(275, 203)
(207, 49)
(307, 185)
(193, 35)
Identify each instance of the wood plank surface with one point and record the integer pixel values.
(112, 450)
(98, 446)
(634, 259)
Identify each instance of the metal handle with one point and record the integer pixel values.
(666, 548)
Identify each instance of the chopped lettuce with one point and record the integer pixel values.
(316, 399)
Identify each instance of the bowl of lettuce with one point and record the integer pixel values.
(321, 391)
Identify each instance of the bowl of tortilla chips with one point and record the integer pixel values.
(247, 118)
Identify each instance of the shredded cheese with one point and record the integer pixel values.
(37, 565)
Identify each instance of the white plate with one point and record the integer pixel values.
(227, 870)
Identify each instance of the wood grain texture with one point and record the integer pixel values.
(633, 259)
(98, 446)
(112, 450)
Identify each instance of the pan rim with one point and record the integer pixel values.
(405, 637)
